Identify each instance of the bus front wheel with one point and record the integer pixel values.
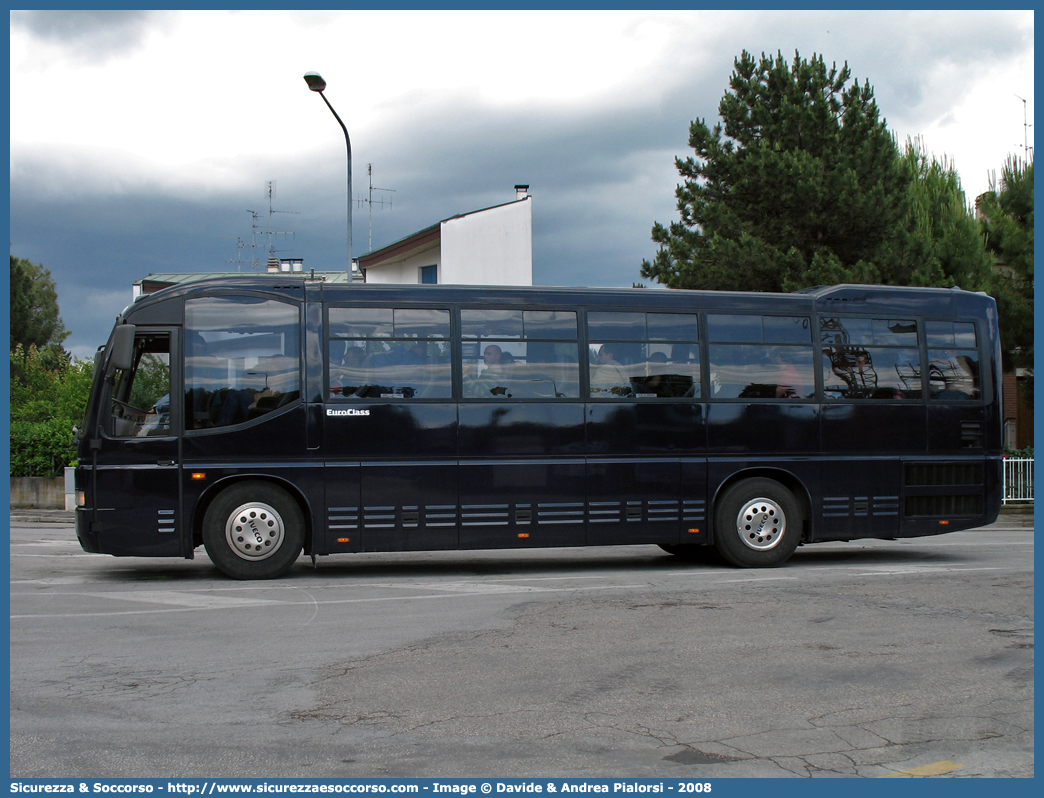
(253, 530)
(758, 524)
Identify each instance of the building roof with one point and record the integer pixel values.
(428, 238)
(158, 281)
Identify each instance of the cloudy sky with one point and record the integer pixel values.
(140, 140)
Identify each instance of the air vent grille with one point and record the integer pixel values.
(931, 506)
(933, 474)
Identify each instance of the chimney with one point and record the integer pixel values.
(521, 192)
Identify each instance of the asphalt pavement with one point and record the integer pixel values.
(865, 659)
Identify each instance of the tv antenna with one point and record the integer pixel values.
(1026, 148)
(270, 190)
(240, 246)
(263, 239)
(370, 201)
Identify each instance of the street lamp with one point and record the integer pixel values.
(317, 84)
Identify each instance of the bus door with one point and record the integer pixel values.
(135, 454)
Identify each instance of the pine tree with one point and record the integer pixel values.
(34, 306)
(1006, 216)
(801, 184)
(939, 242)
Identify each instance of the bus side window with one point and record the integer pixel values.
(953, 375)
(643, 355)
(389, 353)
(514, 354)
(748, 371)
(760, 357)
(242, 359)
(953, 367)
(870, 358)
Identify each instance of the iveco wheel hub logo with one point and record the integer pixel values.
(257, 534)
(349, 412)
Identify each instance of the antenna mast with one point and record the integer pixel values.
(240, 246)
(270, 190)
(370, 201)
(262, 239)
(1025, 129)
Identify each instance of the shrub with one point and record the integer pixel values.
(49, 394)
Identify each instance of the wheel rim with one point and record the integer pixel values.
(254, 531)
(761, 524)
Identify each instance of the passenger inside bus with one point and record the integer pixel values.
(788, 385)
(608, 374)
(489, 378)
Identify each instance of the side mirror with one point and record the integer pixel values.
(121, 349)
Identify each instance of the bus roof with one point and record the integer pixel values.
(846, 298)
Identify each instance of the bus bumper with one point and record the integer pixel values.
(88, 539)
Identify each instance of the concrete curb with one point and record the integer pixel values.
(1017, 509)
(30, 515)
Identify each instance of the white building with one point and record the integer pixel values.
(492, 246)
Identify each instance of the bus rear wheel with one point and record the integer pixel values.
(758, 524)
(253, 530)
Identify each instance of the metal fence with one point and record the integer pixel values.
(1018, 479)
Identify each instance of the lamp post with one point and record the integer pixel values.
(317, 84)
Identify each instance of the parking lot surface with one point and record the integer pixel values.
(862, 659)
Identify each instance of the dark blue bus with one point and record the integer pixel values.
(262, 417)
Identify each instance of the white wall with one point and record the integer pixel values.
(491, 247)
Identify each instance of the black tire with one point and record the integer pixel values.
(253, 530)
(757, 524)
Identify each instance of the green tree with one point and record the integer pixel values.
(939, 242)
(46, 402)
(804, 185)
(34, 306)
(1006, 216)
(801, 184)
